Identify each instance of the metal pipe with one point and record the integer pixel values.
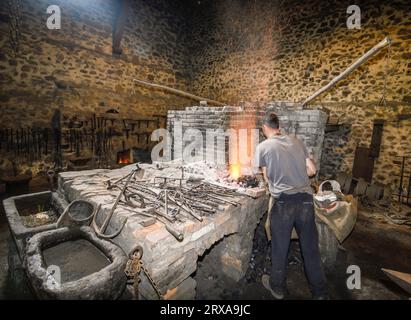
(401, 180)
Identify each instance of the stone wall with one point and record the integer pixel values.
(232, 51)
(286, 50)
(74, 69)
(339, 146)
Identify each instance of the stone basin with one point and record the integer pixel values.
(72, 263)
(32, 213)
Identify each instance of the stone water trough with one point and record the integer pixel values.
(29, 214)
(52, 236)
(93, 268)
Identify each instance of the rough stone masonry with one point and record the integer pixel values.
(172, 263)
(229, 51)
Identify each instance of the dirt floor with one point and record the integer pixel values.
(372, 245)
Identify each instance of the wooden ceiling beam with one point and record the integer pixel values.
(119, 24)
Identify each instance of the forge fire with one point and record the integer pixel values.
(205, 150)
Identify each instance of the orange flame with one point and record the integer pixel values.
(244, 122)
(123, 157)
(124, 161)
(235, 171)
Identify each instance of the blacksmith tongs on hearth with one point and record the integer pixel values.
(100, 231)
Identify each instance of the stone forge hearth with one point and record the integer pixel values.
(308, 125)
(171, 263)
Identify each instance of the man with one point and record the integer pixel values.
(288, 166)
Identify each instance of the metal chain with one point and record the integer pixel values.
(133, 269)
(155, 286)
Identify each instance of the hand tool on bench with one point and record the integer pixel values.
(152, 213)
(100, 230)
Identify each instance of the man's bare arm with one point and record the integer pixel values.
(264, 170)
(311, 168)
(261, 175)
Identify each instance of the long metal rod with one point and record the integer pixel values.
(370, 53)
(401, 180)
(110, 214)
(180, 92)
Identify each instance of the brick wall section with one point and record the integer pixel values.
(308, 125)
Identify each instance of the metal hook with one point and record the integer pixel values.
(100, 230)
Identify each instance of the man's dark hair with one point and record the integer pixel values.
(271, 120)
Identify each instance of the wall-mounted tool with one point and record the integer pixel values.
(126, 129)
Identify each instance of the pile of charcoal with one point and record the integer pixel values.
(248, 181)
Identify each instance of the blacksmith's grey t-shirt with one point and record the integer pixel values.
(284, 157)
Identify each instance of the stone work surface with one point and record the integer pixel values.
(308, 125)
(286, 50)
(171, 263)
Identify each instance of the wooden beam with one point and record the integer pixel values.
(119, 23)
(179, 92)
(365, 57)
(400, 278)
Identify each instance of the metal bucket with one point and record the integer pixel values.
(77, 213)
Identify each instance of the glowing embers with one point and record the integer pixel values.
(124, 157)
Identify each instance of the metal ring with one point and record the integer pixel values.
(137, 252)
